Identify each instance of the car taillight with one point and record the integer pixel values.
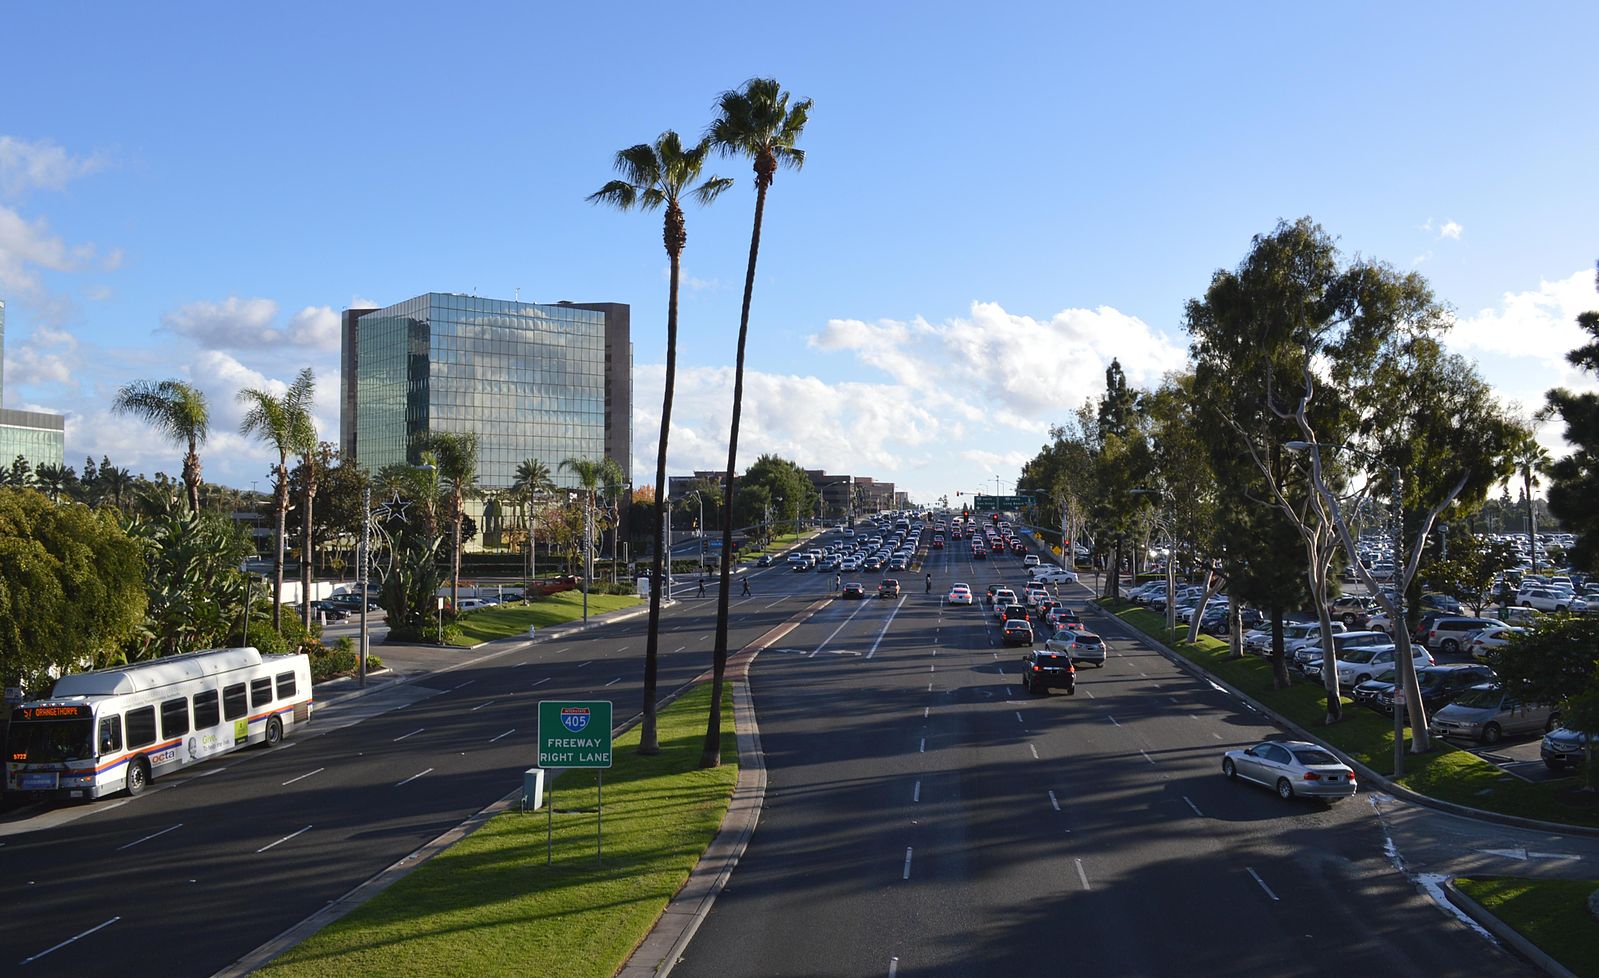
(1037, 668)
(1312, 776)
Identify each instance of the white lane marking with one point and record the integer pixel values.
(590, 662)
(922, 749)
(518, 665)
(480, 706)
(932, 668)
(1019, 718)
(1263, 885)
(559, 651)
(160, 833)
(1034, 750)
(916, 793)
(1007, 692)
(1216, 735)
(1053, 802)
(929, 687)
(413, 778)
(907, 874)
(283, 840)
(541, 682)
(1080, 873)
(1193, 806)
(860, 608)
(303, 776)
(1193, 716)
(86, 933)
(995, 655)
(506, 734)
(411, 734)
(887, 623)
(1146, 755)
(622, 649)
(1090, 693)
(612, 682)
(680, 648)
(893, 967)
(925, 709)
(463, 685)
(1113, 720)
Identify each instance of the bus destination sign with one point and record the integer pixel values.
(51, 711)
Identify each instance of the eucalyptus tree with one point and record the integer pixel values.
(283, 421)
(755, 122)
(1574, 478)
(455, 456)
(179, 411)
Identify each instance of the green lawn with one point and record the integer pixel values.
(1552, 914)
(1446, 773)
(778, 544)
(505, 621)
(490, 906)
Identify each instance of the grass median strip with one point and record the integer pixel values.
(490, 906)
(512, 620)
(1553, 914)
(1446, 773)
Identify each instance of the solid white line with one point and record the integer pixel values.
(1053, 802)
(541, 682)
(922, 749)
(480, 706)
(1080, 873)
(612, 682)
(413, 778)
(303, 776)
(1263, 885)
(283, 840)
(1193, 806)
(506, 734)
(893, 967)
(1146, 755)
(86, 933)
(887, 623)
(860, 608)
(1034, 750)
(154, 834)
(411, 734)
(907, 864)
(916, 795)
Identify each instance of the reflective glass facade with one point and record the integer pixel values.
(529, 379)
(38, 437)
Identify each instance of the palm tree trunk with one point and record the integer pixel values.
(191, 477)
(1532, 527)
(281, 503)
(649, 741)
(307, 550)
(455, 556)
(711, 754)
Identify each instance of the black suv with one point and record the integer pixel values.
(1043, 670)
(1439, 685)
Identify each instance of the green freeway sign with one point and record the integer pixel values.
(999, 503)
(574, 733)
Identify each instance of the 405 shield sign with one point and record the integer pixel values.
(574, 733)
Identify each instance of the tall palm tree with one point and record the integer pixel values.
(55, 480)
(756, 122)
(533, 475)
(531, 483)
(1531, 459)
(656, 176)
(455, 455)
(114, 482)
(178, 410)
(591, 475)
(310, 458)
(284, 423)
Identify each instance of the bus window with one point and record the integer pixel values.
(233, 705)
(205, 710)
(285, 685)
(260, 693)
(110, 735)
(174, 718)
(141, 727)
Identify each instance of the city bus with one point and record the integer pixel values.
(116, 729)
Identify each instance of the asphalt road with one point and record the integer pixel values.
(925, 816)
(215, 860)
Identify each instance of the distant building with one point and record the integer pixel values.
(39, 437)
(533, 381)
(844, 497)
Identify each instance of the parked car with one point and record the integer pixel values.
(1292, 768)
(1441, 602)
(1343, 642)
(1219, 622)
(1043, 670)
(1017, 631)
(1079, 646)
(332, 611)
(1352, 609)
(1440, 685)
(1300, 634)
(1487, 713)
(1548, 599)
(1491, 638)
(1448, 634)
(1563, 749)
(1371, 662)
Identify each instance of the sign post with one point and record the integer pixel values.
(576, 734)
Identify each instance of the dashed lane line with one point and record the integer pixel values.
(164, 831)
(81, 936)
(907, 873)
(413, 778)
(283, 840)
(503, 735)
(1054, 803)
(1081, 874)
(1263, 886)
(1193, 806)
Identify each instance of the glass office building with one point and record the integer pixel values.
(546, 382)
(36, 436)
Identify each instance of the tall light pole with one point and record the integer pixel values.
(1404, 674)
(366, 576)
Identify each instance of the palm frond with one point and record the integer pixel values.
(618, 194)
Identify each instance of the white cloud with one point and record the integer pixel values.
(47, 356)
(251, 324)
(1540, 323)
(27, 246)
(25, 165)
(1450, 230)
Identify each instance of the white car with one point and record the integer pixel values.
(1052, 575)
(1035, 593)
(1492, 637)
(960, 594)
(1550, 599)
(1031, 560)
(1372, 662)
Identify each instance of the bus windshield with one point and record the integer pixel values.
(50, 741)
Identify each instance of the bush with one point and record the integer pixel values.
(339, 660)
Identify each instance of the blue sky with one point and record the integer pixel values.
(997, 199)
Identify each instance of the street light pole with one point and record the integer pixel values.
(366, 576)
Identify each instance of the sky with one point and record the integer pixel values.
(995, 202)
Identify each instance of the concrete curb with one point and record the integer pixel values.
(1366, 773)
(1498, 928)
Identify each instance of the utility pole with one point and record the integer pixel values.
(366, 576)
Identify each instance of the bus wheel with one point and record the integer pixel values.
(138, 777)
(274, 732)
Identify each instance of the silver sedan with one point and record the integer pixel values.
(1292, 768)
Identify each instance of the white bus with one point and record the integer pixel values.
(115, 729)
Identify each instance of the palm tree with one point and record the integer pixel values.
(309, 453)
(533, 475)
(179, 411)
(455, 456)
(532, 481)
(1531, 459)
(114, 482)
(55, 480)
(285, 424)
(755, 122)
(591, 475)
(654, 176)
